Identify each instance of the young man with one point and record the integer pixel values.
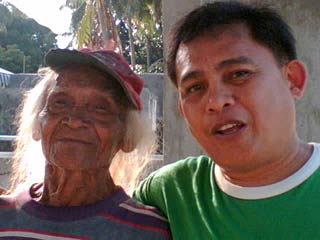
(237, 74)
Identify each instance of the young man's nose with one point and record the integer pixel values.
(217, 99)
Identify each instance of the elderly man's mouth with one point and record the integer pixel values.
(72, 140)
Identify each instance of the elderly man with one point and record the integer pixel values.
(85, 113)
(238, 76)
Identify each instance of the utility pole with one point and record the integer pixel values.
(24, 64)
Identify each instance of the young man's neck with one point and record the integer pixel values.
(274, 171)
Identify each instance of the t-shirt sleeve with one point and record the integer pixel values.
(150, 191)
(168, 187)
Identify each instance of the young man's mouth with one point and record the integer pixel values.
(228, 128)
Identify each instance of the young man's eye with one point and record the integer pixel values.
(194, 88)
(242, 73)
(238, 77)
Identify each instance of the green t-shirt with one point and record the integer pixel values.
(187, 193)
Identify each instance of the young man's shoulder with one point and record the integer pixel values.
(164, 183)
(180, 171)
(179, 167)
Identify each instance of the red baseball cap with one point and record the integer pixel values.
(104, 60)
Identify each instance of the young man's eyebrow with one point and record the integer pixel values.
(233, 61)
(221, 65)
(189, 76)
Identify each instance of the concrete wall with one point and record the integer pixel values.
(304, 18)
(178, 142)
(5, 170)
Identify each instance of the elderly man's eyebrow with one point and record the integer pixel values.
(234, 61)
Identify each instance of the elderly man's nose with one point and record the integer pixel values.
(76, 117)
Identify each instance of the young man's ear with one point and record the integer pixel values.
(297, 76)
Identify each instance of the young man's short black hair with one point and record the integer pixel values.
(266, 26)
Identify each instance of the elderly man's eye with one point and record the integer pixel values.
(102, 109)
(58, 105)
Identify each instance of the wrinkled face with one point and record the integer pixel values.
(236, 99)
(82, 125)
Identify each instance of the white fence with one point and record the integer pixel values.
(6, 138)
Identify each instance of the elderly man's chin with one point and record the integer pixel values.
(84, 158)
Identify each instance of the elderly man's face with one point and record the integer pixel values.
(82, 124)
(237, 101)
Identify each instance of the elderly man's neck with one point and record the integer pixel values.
(73, 188)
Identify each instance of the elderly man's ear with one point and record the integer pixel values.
(36, 132)
(129, 141)
(296, 74)
(127, 145)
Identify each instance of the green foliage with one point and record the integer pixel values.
(5, 19)
(12, 58)
(84, 27)
(147, 32)
(154, 42)
(77, 14)
(22, 40)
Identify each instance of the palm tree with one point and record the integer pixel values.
(93, 24)
(150, 22)
(127, 10)
(142, 17)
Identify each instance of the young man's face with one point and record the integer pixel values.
(237, 101)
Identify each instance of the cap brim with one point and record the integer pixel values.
(59, 58)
